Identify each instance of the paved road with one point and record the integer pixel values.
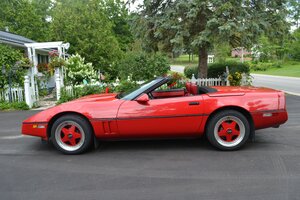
(177, 68)
(170, 169)
(288, 84)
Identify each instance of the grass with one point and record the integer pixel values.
(290, 68)
(186, 61)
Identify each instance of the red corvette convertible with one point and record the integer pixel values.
(228, 116)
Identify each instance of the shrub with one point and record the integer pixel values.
(13, 106)
(294, 49)
(235, 78)
(77, 70)
(125, 86)
(142, 66)
(263, 66)
(218, 69)
(190, 70)
(8, 58)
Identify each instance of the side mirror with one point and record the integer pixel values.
(144, 98)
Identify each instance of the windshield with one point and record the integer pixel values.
(133, 93)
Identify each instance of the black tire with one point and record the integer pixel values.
(228, 130)
(78, 138)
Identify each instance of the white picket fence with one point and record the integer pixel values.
(209, 82)
(17, 94)
(70, 88)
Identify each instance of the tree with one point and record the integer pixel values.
(26, 18)
(8, 58)
(118, 14)
(295, 45)
(203, 23)
(294, 11)
(87, 27)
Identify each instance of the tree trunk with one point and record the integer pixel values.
(202, 62)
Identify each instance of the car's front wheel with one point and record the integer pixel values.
(228, 130)
(71, 134)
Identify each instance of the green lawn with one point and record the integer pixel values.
(184, 60)
(291, 69)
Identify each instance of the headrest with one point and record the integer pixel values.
(188, 87)
(191, 88)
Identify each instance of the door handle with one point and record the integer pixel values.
(194, 103)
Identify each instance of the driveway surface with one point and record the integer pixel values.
(269, 168)
(288, 84)
(177, 68)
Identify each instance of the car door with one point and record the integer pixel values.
(160, 117)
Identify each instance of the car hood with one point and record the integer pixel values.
(84, 105)
(96, 98)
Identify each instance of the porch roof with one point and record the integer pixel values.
(14, 39)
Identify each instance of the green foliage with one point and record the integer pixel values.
(235, 79)
(118, 14)
(190, 70)
(263, 66)
(8, 58)
(267, 50)
(221, 51)
(88, 28)
(142, 66)
(195, 24)
(295, 45)
(13, 106)
(124, 86)
(177, 80)
(27, 18)
(79, 91)
(218, 69)
(77, 70)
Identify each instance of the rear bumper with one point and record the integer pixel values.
(38, 129)
(269, 118)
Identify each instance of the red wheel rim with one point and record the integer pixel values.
(229, 130)
(70, 135)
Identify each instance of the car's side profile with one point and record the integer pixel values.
(228, 116)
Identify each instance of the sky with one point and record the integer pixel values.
(134, 6)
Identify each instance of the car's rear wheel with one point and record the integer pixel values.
(71, 134)
(228, 130)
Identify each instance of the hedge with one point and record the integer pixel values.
(217, 69)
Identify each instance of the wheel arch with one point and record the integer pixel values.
(242, 110)
(58, 115)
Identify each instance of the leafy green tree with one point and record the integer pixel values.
(87, 27)
(295, 45)
(8, 58)
(142, 66)
(78, 70)
(26, 18)
(203, 23)
(118, 14)
(294, 11)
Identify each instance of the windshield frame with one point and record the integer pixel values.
(146, 88)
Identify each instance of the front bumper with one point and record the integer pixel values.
(38, 129)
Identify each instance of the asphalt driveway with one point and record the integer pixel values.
(269, 168)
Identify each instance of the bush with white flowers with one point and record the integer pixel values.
(77, 70)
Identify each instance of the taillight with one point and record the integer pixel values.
(281, 101)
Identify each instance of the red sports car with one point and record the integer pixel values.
(228, 116)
